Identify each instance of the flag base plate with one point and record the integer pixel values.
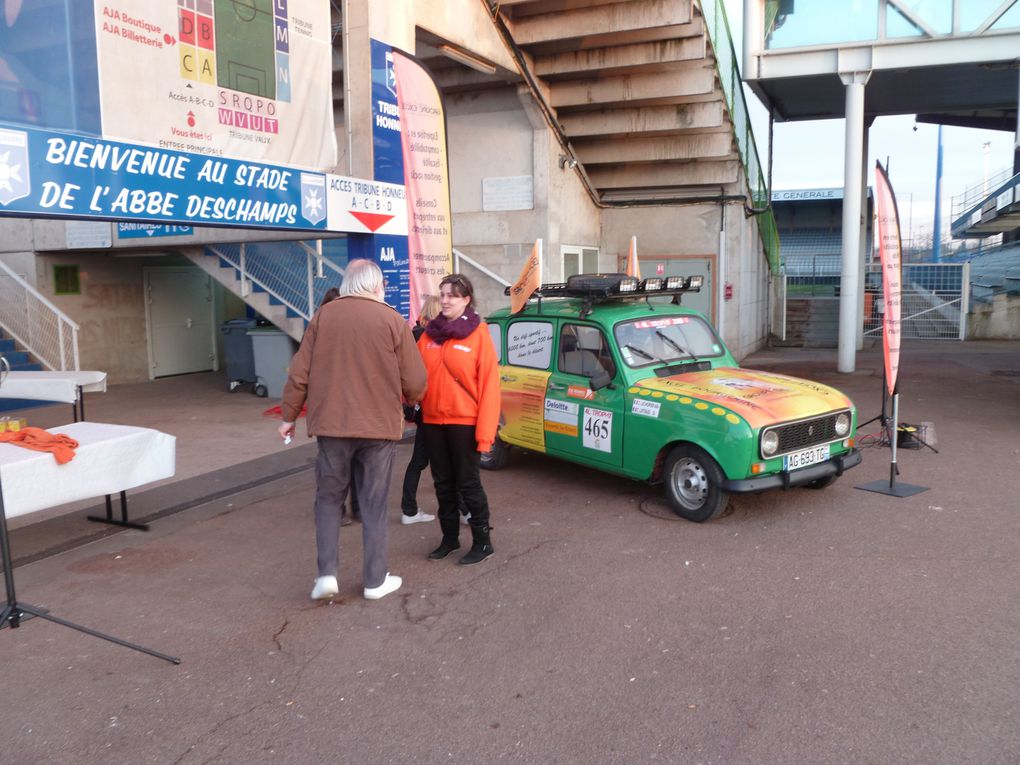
(893, 490)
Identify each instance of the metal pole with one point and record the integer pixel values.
(894, 437)
(936, 238)
(852, 180)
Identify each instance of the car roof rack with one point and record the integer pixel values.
(600, 288)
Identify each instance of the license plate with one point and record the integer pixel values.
(806, 457)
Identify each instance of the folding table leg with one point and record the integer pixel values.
(123, 515)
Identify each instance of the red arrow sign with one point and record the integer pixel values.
(372, 221)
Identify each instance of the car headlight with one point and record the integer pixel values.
(842, 424)
(769, 443)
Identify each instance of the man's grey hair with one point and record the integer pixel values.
(361, 277)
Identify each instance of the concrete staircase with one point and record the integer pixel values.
(263, 302)
(20, 361)
(811, 323)
(636, 89)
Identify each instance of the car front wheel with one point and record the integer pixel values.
(693, 483)
(496, 457)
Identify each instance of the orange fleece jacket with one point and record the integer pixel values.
(40, 440)
(463, 384)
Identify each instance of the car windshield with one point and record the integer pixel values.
(643, 342)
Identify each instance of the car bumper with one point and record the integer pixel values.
(786, 479)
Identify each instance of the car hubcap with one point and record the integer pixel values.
(690, 484)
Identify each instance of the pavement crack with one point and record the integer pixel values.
(216, 727)
(276, 635)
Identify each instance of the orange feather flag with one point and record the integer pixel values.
(529, 280)
(633, 267)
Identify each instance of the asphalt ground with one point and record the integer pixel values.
(833, 626)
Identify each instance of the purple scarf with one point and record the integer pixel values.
(442, 329)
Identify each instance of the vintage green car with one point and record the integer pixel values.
(606, 371)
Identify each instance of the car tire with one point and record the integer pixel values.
(693, 483)
(496, 457)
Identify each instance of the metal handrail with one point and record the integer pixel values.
(719, 36)
(301, 300)
(41, 328)
(459, 256)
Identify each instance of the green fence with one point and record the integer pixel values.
(718, 29)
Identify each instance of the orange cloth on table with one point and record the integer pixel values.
(43, 441)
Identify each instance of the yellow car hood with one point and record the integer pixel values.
(761, 398)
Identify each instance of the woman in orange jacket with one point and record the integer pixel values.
(460, 412)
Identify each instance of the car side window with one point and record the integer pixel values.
(584, 351)
(529, 344)
(496, 333)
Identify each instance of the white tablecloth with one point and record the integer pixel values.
(109, 459)
(52, 386)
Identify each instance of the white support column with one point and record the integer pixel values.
(852, 179)
(863, 239)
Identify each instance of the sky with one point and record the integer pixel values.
(810, 155)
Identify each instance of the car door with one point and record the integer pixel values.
(582, 424)
(523, 376)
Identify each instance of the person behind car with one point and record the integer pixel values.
(460, 413)
(411, 513)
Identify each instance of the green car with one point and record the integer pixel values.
(606, 371)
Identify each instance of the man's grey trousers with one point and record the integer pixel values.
(371, 461)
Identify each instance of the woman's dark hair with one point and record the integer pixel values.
(331, 294)
(460, 286)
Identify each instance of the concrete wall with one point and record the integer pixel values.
(110, 311)
(997, 320)
(693, 230)
(502, 134)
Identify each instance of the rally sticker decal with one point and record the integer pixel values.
(647, 408)
(561, 417)
(598, 430)
(579, 391)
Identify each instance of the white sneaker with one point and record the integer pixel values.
(466, 519)
(325, 588)
(418, 517)
(390, 584)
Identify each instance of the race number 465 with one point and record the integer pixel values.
(598, 430)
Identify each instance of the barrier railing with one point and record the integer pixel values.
(718, 29)
(292, 272)
(36, 324)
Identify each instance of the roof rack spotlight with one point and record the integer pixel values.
(695, 282)
(652, 284)
(627, 284)
(674, 282)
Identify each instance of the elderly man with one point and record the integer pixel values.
(356, 359)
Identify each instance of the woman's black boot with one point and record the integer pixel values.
(447, 546)
(481, 546)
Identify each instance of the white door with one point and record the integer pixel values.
(179, 311)
(700, 301)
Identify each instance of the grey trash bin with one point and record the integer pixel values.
(273, 351)
(237, 349)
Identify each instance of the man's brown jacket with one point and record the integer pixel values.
(356, 359)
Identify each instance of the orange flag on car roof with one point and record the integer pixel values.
(633, 268)
(529, 280)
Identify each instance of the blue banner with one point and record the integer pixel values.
(47, 173)
(149, 230)
(390, 252)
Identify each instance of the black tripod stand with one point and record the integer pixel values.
(14, 612)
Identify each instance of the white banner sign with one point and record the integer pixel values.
(248, 80)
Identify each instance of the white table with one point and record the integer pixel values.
(66, 387)
(109, 459)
